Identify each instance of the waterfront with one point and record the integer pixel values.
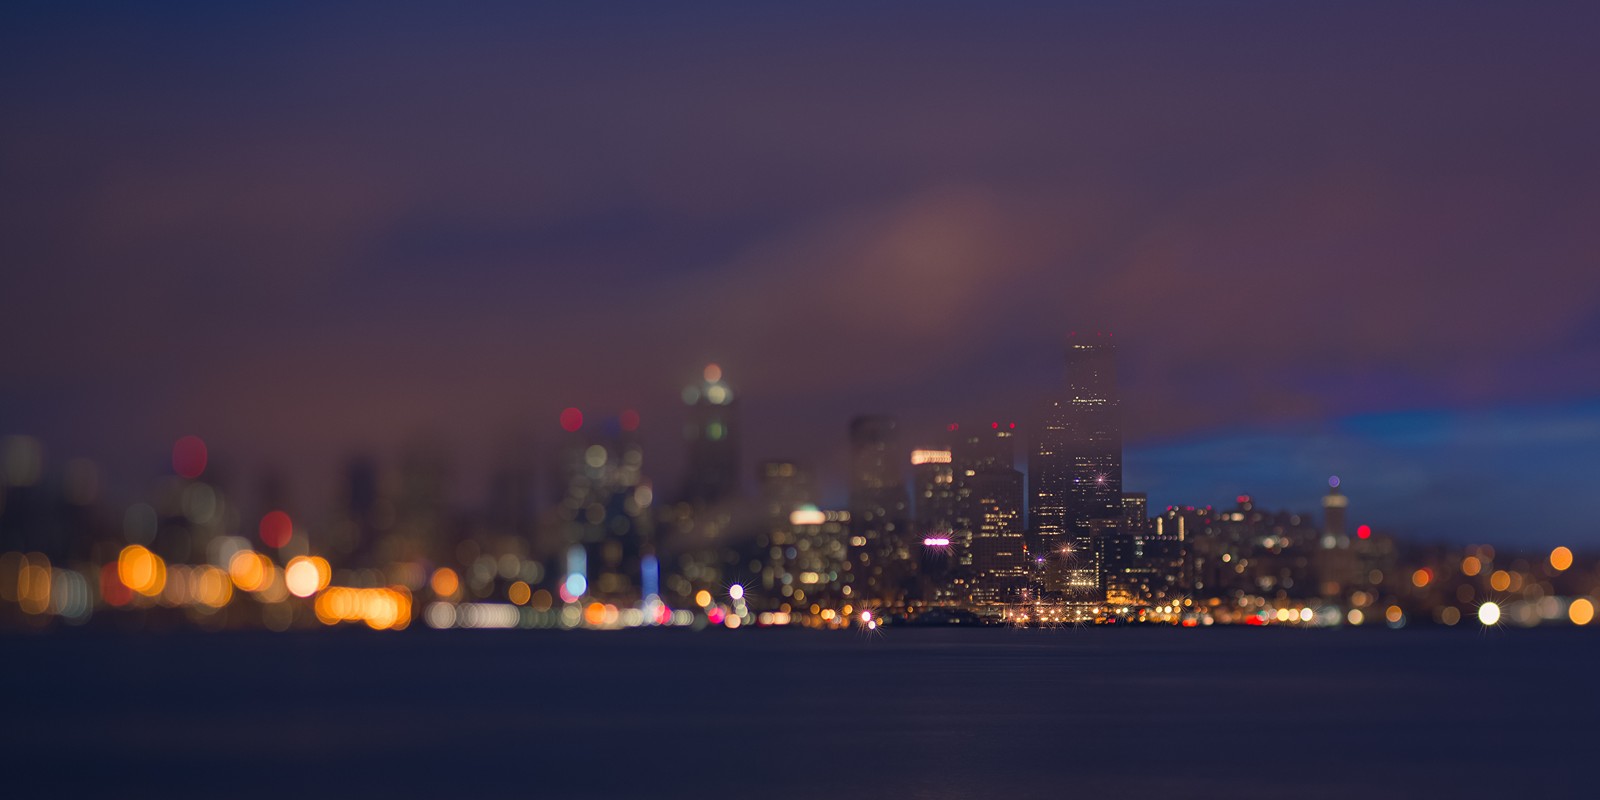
(788, 713)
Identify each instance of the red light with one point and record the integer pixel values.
(716, 615)
(112, 587)
(630, 420)
(571, 420)
(1013, 426)
(995, 425)
(1244, 498)
(276, 528)
(1364, 532)
(954, 426)
(189, 457)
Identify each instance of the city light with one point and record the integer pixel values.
(1489, 613)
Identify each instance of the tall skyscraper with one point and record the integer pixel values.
(605, 510)
(880, 526)
(933, 481)
(933, 489)
(989, 524)
(712, 432)
(1075, 466)
(1334, 505)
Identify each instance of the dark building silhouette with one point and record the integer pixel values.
(880, 525)
(712, 433)
(1075, 467)
(604, 512)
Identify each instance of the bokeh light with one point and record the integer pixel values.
(276, 529)
(1561, 559)
(1489, 613)
(444, 582)
(571, 420)
(189, 457)
(141, 570)
(1581, 612)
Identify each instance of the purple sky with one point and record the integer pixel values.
(297, 232)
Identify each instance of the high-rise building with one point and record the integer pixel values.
(989, 524)
(768, 566)
(880, 525)
(1075, 467)
(1338, 566)
(933, 481)
(712, 433)
(1141, 564)
(604, 511)
(933, 491)
(1135, 511)
(1334, 505)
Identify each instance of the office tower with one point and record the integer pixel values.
(424, 527)
(1339, 567)
(1334, 504)
(510, 511)
(933, 524)
(712, 433)
(1135, 511)
(933, 480)
(1075, 467)
(879, 520)
(989, 524)
(604, 511)
(769, 565)
(1142, 565)
(783, 487)
(821, 573)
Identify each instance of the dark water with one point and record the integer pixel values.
(1139, 713)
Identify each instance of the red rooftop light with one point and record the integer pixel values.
(189, 457)
(571, 420)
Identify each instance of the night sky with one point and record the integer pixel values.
(1330, 238)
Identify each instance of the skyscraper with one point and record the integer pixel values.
(880, 527)
(605, 509)
(989, 525)
(933, 480)
(933, 488)
(712, 432)
(1075, 465)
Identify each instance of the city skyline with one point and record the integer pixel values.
(723, 399)
(307, 264)
(1294, 482)
(935, 526)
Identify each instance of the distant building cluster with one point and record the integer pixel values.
(938, 528)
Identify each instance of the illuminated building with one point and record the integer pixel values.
(1334, 505)
(1141, 563)
(604, 512)
(1338, 568)
(712, 433)
(989, 523)
(1249, 552)
(786, 556)
(817, 561)
(942, 552)
(1075, 465)
(880, 525)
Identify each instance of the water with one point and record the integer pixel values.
(1137, 713)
